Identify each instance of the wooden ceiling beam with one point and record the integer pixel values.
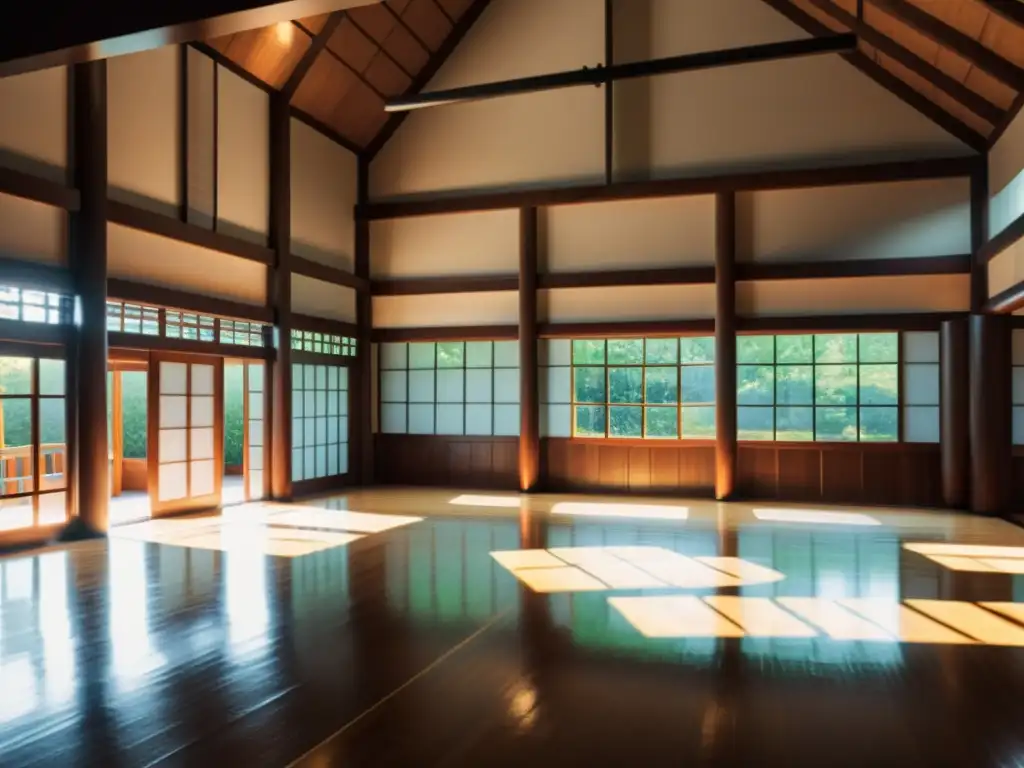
(380, 49)
(886, 79)
(949, 37)
(440, 7)
(412, 32)
(317, 45)
(1011, 10)
(79, 32)
(437, 59)
(978, 104)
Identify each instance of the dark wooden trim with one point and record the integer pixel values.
(363, 394)
(317, 44)
(886, 79)
(318, 271)
(726, 450)
(383, 51)
(609, 94)
(1008, 118)
(173, 229)
(1006, 302)
(421, 286)
(952, 87)
(990, 402)
(437, 59)
(88, 260)
(864, 173)
(324, 325)
(404, 25)
(627, 328)
(841, 445)
(695, 275)
(172, 298)
(954, 402)
(529, 408)
(183, 176)
(1013, 232)
(33, 333)
(314, 358)
(40, 190)
(949, 37)
(32, 274)
(437, 4)
(231, 66)
(898, 267)
(187, 346)
(979, 235)
(447, 333)
(924, 321)
(1011, 10)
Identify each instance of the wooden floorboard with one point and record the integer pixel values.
(413, 646)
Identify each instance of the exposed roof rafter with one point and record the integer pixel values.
(316, 46)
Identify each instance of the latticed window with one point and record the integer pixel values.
(187, 325)
(323, 343)
(241, 332)
(133, 318)
(34, 306)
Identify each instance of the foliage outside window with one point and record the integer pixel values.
(644, 388)
(323, 343)
(34, 306)
(125, 317)
(825, 387)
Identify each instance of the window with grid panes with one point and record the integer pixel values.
(1018, 387)
(920, 386)
(188, 325)
(643, 388)
(123, 317)
(825, 387)
(34, 306)
(241, 332)
(450, 388)
(323, 343)
(319, 421)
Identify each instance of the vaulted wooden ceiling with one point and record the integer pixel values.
(960, 62)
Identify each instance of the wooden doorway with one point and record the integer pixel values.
(244, 420)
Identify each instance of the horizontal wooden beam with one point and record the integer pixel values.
(323, 325)
(1007, 302)
(142, 293)
(37, 189)
(34, 333)
(903, 267)
(421, 286)
(1002, 241)
(1011, 10)
(165, 226)
(192, 346)
(447, 333)
(864, 173)
(694, 275)
(36, 276)
(318, 271)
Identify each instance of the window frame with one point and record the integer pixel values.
(191, 326)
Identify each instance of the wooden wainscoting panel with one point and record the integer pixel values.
(799, 476)
(841, 476)
(441, 460)
(757, 472)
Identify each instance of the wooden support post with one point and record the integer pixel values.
(88, 259)
(529, 413)
(279, 291)
(990, 432)
(725, 345)
(364, 322)
(954, 434)
(979, 235)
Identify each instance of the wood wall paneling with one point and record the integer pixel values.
(457, 462)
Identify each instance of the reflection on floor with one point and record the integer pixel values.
(412, 627)
(133, 506)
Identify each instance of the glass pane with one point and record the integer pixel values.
(51, 377)
(451, 354)
(879, 347)
(255, 457)
(662, 351)
(879, 424)
(587, 351)
(450, 386)
(479, 354)
(698, 383)
(794, 385)
(590, 421)
(835, 348)
(697, 349)
(309, 462)
(755, 423)
(835, 423)
(298, 432)
(256, 405)
(172, 482)
(795, 424)
(755, 349)
(52, 420)
(449, 420)
(255, 432)
(255, 377)
(421, 355)
(202, 444)
(173, 378)
(309, 436)
(393, 386)
(15, 375)
(699, 421)
(173, 411)
(172, 446)
(53, 448)
(479, 387)
(17, 453)
(662, 422)
(321, 461)
(332, 460)
(794, 349)
(202, 412)
(506, 354)
(202, 478)
(755, 384)
(135, 404)
(662, 385)
(626, 421)
(256, 484)
(625, 385)
(879, 384)
(589, 385)
(625, 351)
(835, 385)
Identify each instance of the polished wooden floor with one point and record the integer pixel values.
(659, 633)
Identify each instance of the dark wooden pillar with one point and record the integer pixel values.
(990, 432)
(954, 432)
(364, 321)
(279, 293)
(529, 410)
(725, 345)
(88, 259)
(979, 234)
